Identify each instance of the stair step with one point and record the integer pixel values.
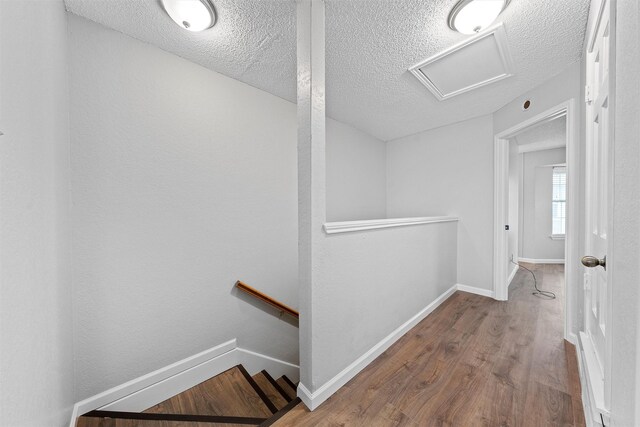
(288, 386)
(131, 419)
(272, 389)
(282, 413)
(232, 393)
(292, 417)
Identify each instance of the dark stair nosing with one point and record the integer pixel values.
(281, 413)
(276, 386)
(258, 390)
(293, 386)
(220, 419)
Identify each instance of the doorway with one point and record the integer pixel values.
(528, 239)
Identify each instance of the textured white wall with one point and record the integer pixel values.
(356, 174)
(183, 181)
(373, 282)
(36, 351)
(625, 363)
(449, 171)
(515, 161)
(555, 91)
(536, 205)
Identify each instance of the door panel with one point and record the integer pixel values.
(599, 171)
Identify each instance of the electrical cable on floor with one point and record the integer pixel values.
(538, 292)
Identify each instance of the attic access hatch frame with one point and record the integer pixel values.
(499, 36)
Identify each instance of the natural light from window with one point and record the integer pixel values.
(559, 201)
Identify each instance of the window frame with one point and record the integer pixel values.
(563, 170)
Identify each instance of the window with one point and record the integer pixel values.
(559, 201)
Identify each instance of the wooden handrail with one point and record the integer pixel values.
(266, 298)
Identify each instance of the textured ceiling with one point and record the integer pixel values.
(370, 46)
(553, 133)
(253, 41)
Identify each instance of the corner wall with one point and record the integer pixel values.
(36, 352)
(183, 181)
(449, 171)
(356, 174)
(625, 363)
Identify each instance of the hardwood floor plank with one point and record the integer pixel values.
(270, 391)
(547, 406)
(473, 362)
(284, 385)
(226, 394)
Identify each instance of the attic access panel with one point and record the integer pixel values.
(476, 62)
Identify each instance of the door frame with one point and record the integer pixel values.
(571, 110)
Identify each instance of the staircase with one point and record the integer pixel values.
(232, 398)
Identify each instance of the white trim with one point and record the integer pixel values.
(541, 261)
(474, 290)
(314, 399)
(569, 108)
(573, 339)
(223, 352)
(256, 362)
(540, 146)
(557, 236)
(499, 34)
(514, 270)
(592, 382)
(150, 389)
(372, 224)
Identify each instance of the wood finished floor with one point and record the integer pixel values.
(228, 394)
(472, 362)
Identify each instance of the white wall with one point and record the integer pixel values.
(515, 195)
(183, 181)
(554, 91)
(535, 215)
(36, 348)
(449, 171)
(625, 262)
(356, 174)
(370, 284)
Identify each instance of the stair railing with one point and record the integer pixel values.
(266, 298)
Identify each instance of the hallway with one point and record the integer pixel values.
(472, 362)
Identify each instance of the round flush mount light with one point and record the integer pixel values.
(473, 16)
(192, 15)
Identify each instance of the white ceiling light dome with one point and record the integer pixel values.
(473, 16)
(193, 15)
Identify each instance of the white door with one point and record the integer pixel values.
(599, 156)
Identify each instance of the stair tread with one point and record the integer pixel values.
(293, 416)
(227, 394)
(271, 391)
(114, 422)
(284, 384)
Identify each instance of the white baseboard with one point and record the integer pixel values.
(474, 290)
(512, 275)
(150, 389)
(314, 399)
(541, 261)
(256, 362)
(591, 383)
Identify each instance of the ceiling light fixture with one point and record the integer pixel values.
(473, 16)
(193, 15)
